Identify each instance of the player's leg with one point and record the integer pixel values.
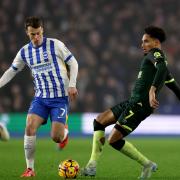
(4, 134)
(37, 116)
(103, 120)
(59, 116)
(58, 131)
(128, 149)
(64, 142)
(125, 147)
(33, 123)
(127, 122)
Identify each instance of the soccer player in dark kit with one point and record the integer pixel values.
(128, 115)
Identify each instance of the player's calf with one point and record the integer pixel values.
(62, 144)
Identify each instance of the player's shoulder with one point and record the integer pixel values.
(56, 41)
(156, 53)
(23, 48)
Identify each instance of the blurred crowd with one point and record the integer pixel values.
(104, 36)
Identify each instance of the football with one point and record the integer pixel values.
(68, 169)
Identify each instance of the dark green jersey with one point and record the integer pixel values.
(153, 72)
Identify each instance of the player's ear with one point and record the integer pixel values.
(27, 32)
(157, 42)
(42, 29)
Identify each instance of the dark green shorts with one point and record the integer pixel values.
(130, 114)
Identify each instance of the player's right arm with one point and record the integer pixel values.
(17, 65)
(173, 85)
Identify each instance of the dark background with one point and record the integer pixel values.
(104, 36)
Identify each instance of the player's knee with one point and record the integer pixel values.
(56, 137)
(117, 144)
(98, 126)
(30, 129)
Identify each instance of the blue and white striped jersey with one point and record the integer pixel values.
(47, 63)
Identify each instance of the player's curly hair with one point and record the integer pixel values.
(34, 22)
(156, 32)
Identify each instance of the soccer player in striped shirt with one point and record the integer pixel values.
(47, 59)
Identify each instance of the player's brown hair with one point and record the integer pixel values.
(34, 22)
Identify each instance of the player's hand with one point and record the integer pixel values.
(152, 98)
(72, 93)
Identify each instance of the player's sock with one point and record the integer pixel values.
(98, 143)
(129, 150)
(29, 148)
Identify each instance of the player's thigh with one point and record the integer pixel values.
(58, 116)
(106, 118)
(33, 122)
(131, 117)
(38, 108)
(59, 113)
(111, 115)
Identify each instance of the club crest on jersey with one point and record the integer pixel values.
(157, 55)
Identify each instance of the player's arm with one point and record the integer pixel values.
(9, 74)
(73, 70)
(173, 85)
(71, 61)
(161, 70)
(158, 59)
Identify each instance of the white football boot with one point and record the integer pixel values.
(147, 170)
(89, 170)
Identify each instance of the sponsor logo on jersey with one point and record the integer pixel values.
(42, 67)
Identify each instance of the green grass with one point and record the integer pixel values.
(112, 165)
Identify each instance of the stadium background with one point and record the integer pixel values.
(104, 36)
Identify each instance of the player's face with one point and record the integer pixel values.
(35, 35)
(148, 43)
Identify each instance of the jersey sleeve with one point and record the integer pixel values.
(157, 57)
(172, 84)
(18, 63)
(65, 54)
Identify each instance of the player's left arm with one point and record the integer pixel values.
(71, 61)
(160, 64)
(159, 61)
(172, 84)
(73, 70)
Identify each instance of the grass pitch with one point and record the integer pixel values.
(112, 165)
